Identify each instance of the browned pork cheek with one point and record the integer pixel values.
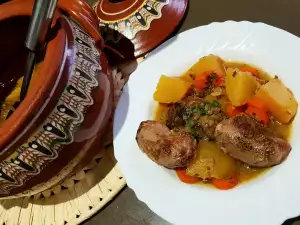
(247, 140)
(168, 150)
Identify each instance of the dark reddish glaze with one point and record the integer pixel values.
(160, 29)
(37, 117)
(110, 11)
(40, 88)
(84, 14)
(88, 144)
(78, 9)
(44, 93)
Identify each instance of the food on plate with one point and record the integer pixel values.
(249, 141)
(279, 99)
(225, 184)
(165, 89)
(210, 63)
(237, 92)
(199, 116)
(220, 123)
(163, 147)
(184, 177)
(211, 162)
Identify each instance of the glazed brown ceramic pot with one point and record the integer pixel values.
(60, 124)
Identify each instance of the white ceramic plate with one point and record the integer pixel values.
(268, 200)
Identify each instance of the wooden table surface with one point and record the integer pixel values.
(126, 209)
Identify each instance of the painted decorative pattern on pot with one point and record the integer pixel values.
(59, 128)
(133, 23)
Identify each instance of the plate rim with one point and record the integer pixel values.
(152, 54)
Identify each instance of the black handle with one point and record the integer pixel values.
(41, 19)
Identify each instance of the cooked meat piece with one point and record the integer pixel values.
(191, 101)
(177, 111)
(209, 123)
(163, 147)
(175, 116)
(201, 117)
(180, 131)
(247, 140)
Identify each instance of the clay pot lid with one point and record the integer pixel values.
(146, 23)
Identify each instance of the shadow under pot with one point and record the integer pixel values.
(60, 125)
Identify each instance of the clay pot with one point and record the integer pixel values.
(59, 126)
(145, 23)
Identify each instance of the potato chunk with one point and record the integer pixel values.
(279, 99)
(170, 89)
(211, 162)
(240, 86)
(210, 63)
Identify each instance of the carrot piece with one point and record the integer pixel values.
(257, 103)
(219, 80)
(200, 81)
(233, 111)
(186, 178)
(258, 114)
(225, 184)
(253, 71)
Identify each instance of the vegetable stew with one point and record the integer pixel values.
(221, 123)
(244, 171)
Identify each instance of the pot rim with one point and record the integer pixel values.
(40, 85)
